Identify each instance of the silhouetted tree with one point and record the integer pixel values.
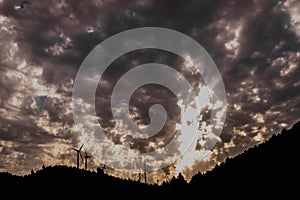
(100, 171)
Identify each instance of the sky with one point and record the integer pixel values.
(255, 44)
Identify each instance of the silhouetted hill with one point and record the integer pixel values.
(270, 169)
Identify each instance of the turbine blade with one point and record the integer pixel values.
(80, 147)
(81, 155)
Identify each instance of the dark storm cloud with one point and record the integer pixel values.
(41, 24)
(145, 96)
(18, 132)
(266, 38)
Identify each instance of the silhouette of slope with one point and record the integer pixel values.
(62, 180)
(272, 164)
(270, 168)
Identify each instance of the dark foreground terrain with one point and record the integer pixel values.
(271, 169)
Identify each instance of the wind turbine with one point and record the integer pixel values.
(78, 153)
(86, 157)
(140, 175)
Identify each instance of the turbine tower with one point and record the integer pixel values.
(145, 173)
(140, 175)
(78, 151)
(86, 157)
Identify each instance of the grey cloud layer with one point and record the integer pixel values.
(254, 44)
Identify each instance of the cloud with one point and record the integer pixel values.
(255, 45)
